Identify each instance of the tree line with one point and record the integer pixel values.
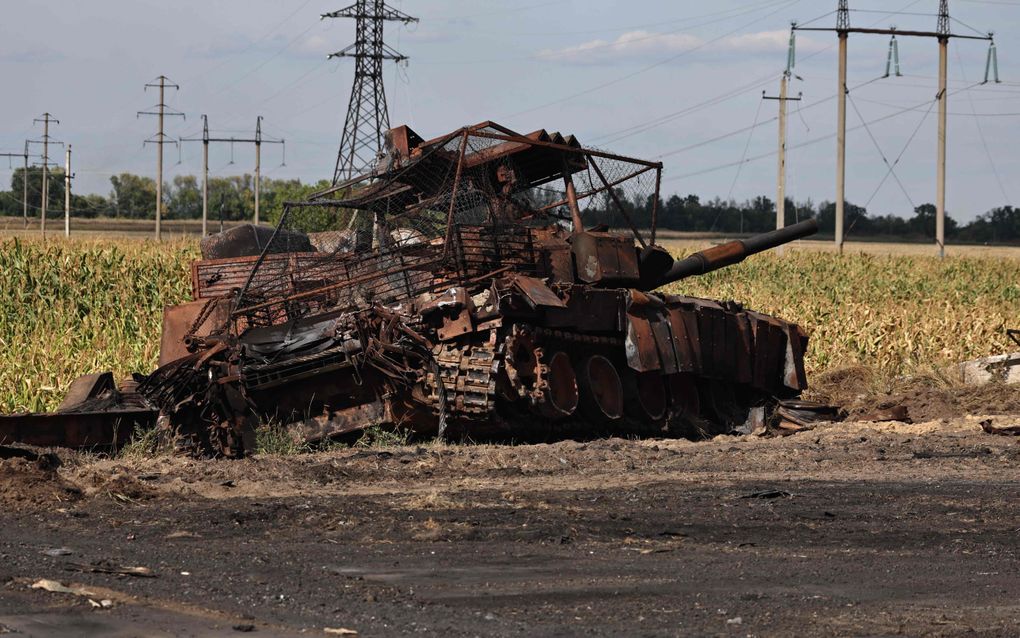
(690, 213)
(134, 196)
(232, 199)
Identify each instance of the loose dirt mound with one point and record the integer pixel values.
(860, 391)
(33, 482)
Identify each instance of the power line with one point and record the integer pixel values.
(258, 141)
(763, 123)
(669, 117)
(878, 147)
(645, 69)
(981, 134)
(252, 43)
(806, 143)
(258, 67)
(900, 156)
(657, 23)
(747, 146)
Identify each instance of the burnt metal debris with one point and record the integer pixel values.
(455, 290)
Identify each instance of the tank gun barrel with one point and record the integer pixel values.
(735, 252)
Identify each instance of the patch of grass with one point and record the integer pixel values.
(144, 443)
(377, 436)
(273, 438)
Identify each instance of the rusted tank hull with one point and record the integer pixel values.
(517, 357)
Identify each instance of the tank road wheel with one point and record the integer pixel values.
(555, 395)
(646, 396)
(601, 389)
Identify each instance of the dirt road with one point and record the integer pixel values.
(850, 529)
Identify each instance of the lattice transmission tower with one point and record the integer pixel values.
(367, 116)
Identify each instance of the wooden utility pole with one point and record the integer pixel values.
(46, 119)
(258, 141)
(162, 83)
(943, 35)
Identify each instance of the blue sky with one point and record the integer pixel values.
(651, 78)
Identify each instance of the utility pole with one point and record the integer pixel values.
(24, 181)
(940, 194)
(367, 116)
(258, 141)
(258, 165)
(46, 118)
(162, 110)
(205, 175)
(24, 188)
(943, 35)
(783, 99)
(842, 30)
(67, 192)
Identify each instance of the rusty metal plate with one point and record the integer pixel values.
(536, 293)
(769, 352)
(75, 430)
(601, 257)
(683, 340)
(794, 376)
(87, 387)
(639, 344)
(590, 310)
(339, 422)
(177, 321)
(745, 351)
(665, 342)
(456, 326)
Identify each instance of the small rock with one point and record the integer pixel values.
(58, 551)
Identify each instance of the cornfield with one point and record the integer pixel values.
(70, 308)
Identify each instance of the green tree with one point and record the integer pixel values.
(184, 198)
(133, 196)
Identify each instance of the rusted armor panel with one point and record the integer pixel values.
(180, 322)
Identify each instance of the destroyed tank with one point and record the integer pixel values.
(469, 285)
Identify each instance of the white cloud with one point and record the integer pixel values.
(638, 44)
(764, 42)
(318, 45)
(629, 44)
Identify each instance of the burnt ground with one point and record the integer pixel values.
(850, 529)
